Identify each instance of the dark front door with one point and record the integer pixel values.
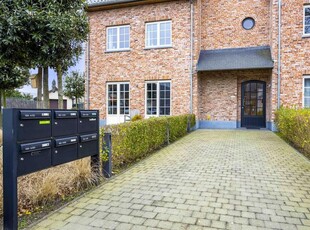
(253, 104)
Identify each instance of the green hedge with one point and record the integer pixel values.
(134, 140)
(294, 126)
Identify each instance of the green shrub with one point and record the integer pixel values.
(136, 117)
(294, 126)
(134, 140)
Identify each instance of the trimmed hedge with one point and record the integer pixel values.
(294, 126)
(134, 140)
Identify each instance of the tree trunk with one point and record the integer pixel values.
(39, 92)
(4, 98)
(45, 89)
(60, 89)
(0, 100)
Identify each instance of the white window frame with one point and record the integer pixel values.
(304, 22)
(118, 98)
(303, 90)
(158, 34)
(118, 38)
(158, 98)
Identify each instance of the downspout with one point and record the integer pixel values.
(191, 55)
(279, 52)
(88, 71)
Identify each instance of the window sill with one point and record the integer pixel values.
(158, 47)
(117, 51)
(306, 36)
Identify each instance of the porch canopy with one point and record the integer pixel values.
(235, 59)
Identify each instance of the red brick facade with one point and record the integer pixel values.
(217, 25)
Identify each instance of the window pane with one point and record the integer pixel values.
(151, 108)
(124, 37)
(307, 92)
(307, 11)
(112, 99)
(124, 99)
(164, 108)
(307, 102)
(165, 33)
(307, 29)
(151, 34)
(307, 82)
(112, 38)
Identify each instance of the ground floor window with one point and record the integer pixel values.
(307, 92)
(158, 98)
(118, 98)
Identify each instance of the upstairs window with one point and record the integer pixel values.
(307, 20)
(158, 34)
(307, 92)
(118, 38)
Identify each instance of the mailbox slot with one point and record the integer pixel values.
(65, 150)
(34, 124)
(65, 123)
(89, 145)
(88, 121)
(34, 156)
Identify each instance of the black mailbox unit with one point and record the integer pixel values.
(88, 121)
(65, 150)
(64, 123)
(38, 139)
(87, 145)
(34, 156)
(33, 124)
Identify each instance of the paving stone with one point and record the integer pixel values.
(234, 179)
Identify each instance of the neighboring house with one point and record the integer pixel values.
(53, 96)
(234, 71)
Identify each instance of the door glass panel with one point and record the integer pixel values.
(253, 104)
(164, 107)
(112, 99)
(253, 87)
(124, 97)
(151, 108)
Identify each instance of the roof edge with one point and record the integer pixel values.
(120, 4)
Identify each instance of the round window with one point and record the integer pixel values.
(248, 23)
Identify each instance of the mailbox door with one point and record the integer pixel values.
(33, 124)
(88, 145)
(34, 156)
(64, 123)
(65, 150)
(88, 121)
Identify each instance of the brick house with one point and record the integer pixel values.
(232, 63)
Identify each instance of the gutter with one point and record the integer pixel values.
(191, 55)
(279, 52)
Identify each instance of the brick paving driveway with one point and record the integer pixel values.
(208, 180)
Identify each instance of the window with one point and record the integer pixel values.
(307, 20)
(118, 38)
(158, 98)
(118, 98)
(158, 34)
(307, 92)
(248, 23)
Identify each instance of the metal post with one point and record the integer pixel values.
(107, 146)
(10, 203)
